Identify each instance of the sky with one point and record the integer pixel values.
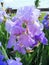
(20, 3)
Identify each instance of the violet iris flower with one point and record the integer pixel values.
(9, 61)
(26, 32)
(45, 21)
(14, 62)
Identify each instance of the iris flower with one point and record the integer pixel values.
(26, 31)
(45, 21)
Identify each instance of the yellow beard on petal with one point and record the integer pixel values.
(37, 44)
(29, 51)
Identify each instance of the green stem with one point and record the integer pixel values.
(4, 52)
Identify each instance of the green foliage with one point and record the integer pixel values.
(42, 16)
